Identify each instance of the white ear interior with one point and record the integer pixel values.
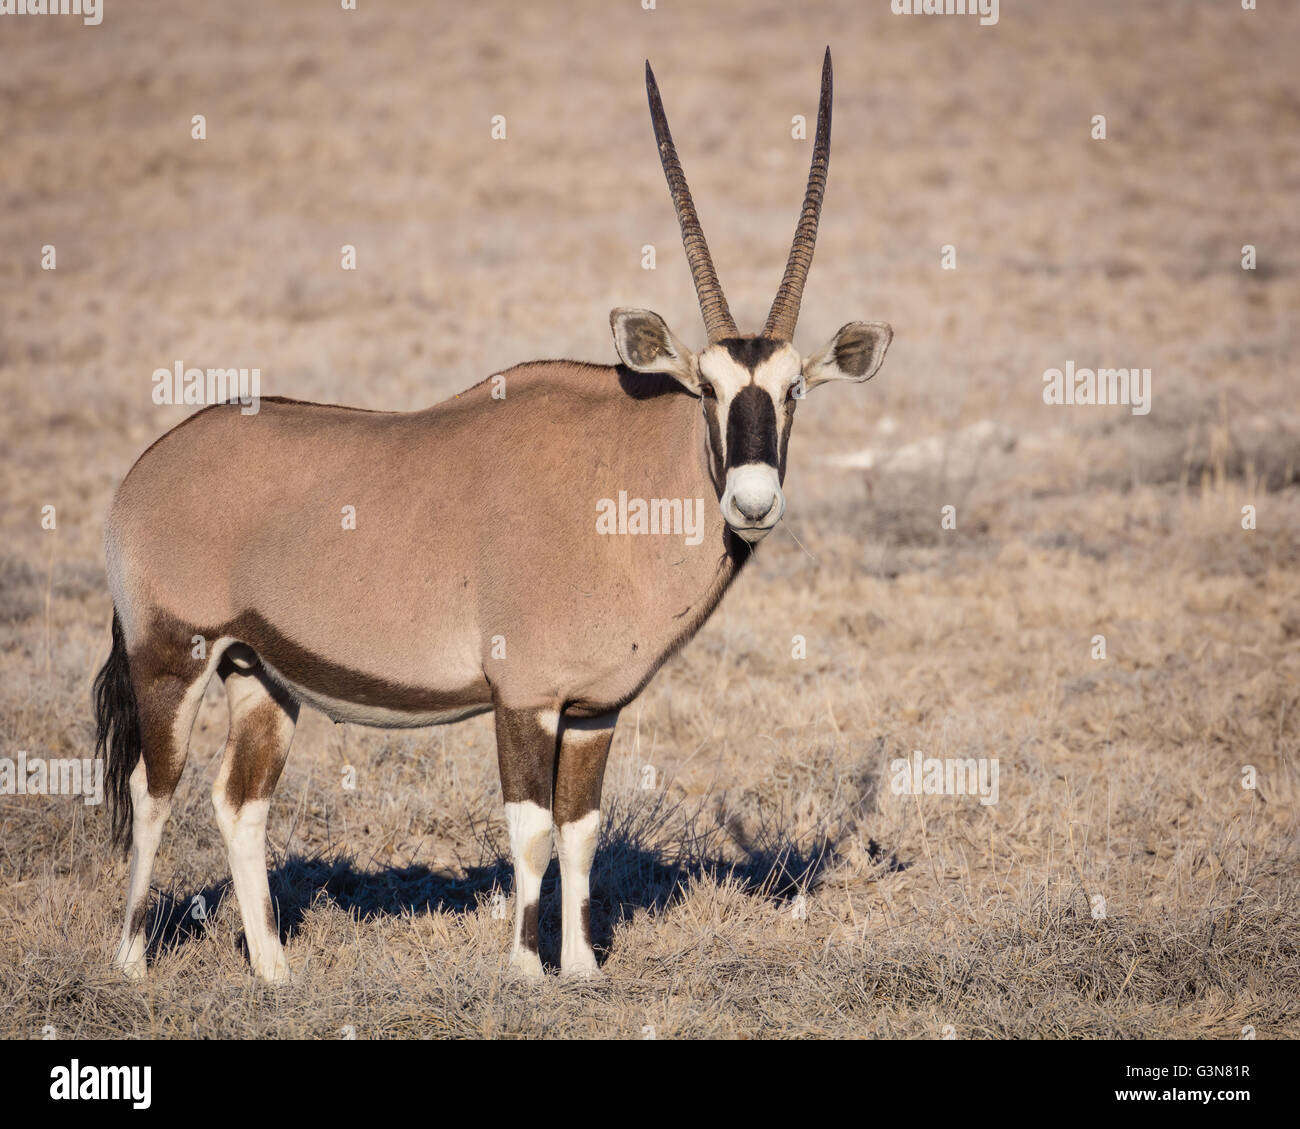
(645, 344)
(855, 353)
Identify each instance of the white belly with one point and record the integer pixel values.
(367, 713)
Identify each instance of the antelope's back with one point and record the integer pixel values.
(391, 537)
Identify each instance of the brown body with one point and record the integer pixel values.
(405, 570)
(475, 535)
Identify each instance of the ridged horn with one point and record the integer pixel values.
(785, 306)
(713, 303)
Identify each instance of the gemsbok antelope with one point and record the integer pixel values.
(474, 577)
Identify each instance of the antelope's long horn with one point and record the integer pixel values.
(785, 306)
(713, 303)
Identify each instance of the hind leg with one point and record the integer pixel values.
(262, 719)
(169, 687)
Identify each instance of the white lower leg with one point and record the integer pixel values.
(530, 848)
(149, 814)
(244, 831)
(576, 846)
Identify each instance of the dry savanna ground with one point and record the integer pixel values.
(757, 875)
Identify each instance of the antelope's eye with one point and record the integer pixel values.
(707, 392)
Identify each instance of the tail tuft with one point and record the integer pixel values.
(117, 734)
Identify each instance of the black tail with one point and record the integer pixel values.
(117, 734)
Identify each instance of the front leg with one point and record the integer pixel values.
(526, 744)
(584, 747)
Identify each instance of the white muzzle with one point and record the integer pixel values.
(752, 502)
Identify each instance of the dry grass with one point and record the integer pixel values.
(770, 884)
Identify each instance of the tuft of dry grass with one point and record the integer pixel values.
(768, 882)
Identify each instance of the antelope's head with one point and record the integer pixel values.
(748, 385)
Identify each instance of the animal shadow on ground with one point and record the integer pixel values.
(651, 850)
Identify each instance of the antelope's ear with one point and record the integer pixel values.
(646, 344)
(854, 353)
